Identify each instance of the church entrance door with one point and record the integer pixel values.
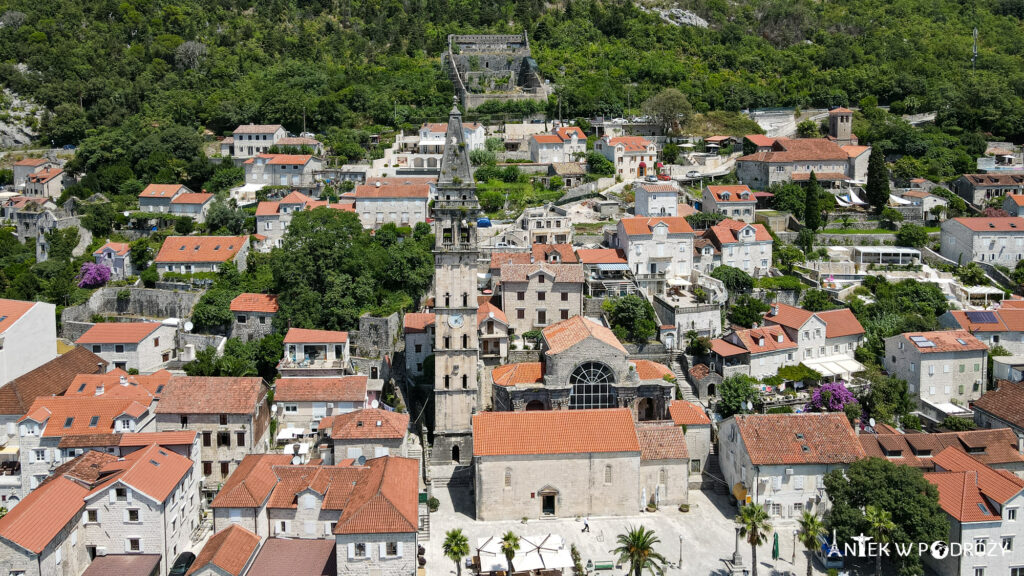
(548, 504)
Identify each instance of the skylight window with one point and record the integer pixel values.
(69, 422)
(94, 421)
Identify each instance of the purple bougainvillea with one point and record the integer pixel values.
(93, 275)
(832, 397)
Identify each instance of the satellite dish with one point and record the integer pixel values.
(871, 422)
(361, 460)
(126, 213)
(375, 404)
(750, 405)
(273, 408)
(189, 326)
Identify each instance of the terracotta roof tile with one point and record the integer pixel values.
(192, 198)
(118, 333)
(251, 482)
(728, 232)
(960, 496)
(601, 256)
(153, 471)
(765, 339)
(32, 162)
(229, 550)
(85, 469)
(123, 565)
(1009, 318)
(200, 248)
(119, 384)
(172, 438)
(700, 371)
(518, 373)
(725, 349)
(306, 336)
(486, 310)
(42, 514)
(570, 273)
(119, 248)
(547, 138)
(945, 341)
(993, 485)
(162, 190)
(385, 500)
(661, 442)
(268, 208)
(286, 159)
(542, 251)
(630, 143)
(44, 175)
(799, 438)
(212, 395)
(70, 416)
(760, 140)
(567, 132)
(735, 193)
(997, 446)
(499, 259)
(786, 150)
(998, 224)
(417, 322)
(567, 333)
(249, 302)
(395, 190)
(297, 141)
(334, 484)
(11, 311)
(995, 179)
(257, 128)
(1006, 402)
(853, 151)
(297, 557)
(1017, 199)
(368, 423)
(685, 413)
(840, 322)
(339, 389)
(47, 380)
(649, 370)
(554, 432)
(645, 226)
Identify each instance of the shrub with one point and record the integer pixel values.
(93, 275)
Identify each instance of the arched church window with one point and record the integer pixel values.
(508, 477)
(465, 381)
(591, 386)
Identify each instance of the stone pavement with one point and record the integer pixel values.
(698, 541)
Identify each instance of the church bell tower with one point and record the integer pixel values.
(456, 349)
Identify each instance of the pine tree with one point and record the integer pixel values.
(877, 188)
(812, 196)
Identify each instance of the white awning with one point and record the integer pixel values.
(834, 365)
(290, 433)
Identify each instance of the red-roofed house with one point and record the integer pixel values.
(980, 188)
(419, 340)
(1000, 327)
(493, 328)
(737, 244)
(367, 432)
(27, 166)
(564, 144)
(229, 552)
(656, 249)
(696, 426)
(826, 341)
(253, 315)
(28, 337)
(633, 156)
(983, 506)
(45, 183)
(304, 402)
(795, 158)
(41, 534)
(547, 224)
(656, 199)
(552, 463)
(157, 197)
(249, 140)
(117, 256)
(144, 346)
(315, 353)
(989, 240)
(242, 499)
(295, 170)
(402, 203)
(779, 461)
(945, 370)
(190, 254)
(736, 202)
(1014, 204)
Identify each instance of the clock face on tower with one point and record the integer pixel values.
(455, 320)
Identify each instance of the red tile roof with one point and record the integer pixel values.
(685, 413)
(192, 198)
(839, 322)
(306, 336)
(250, 484)
(172, 438)
(267, 208)
(840, 110)
(1009, 318)
(733, 191)
(11, 311)
(799, 438)
(567, 333)
(200, 248)
(119, 384)
(656, 187)
(995, 179)
(998, 224)
(547, 138)
(118, 333)
(333, 389)
(1005, 402)
(649, 370)
(44, 175)
(518, 373)
(1017, 199)
(385, 500)
(601, 256)
(994, 485)
(298, 557)
(123, 565)
(257, 128)
(645, 226)
(726, 349)
(161, 190)
(567, 132)
(73, 415)
(489, 310)
(630, 143)
(85, 469)
(554, 432)
(946, 341)
(571, 273)
(541, 252)
(297, 141)
(249, 302)
(212, 395)
(417, 322)
(153, 471)
(395, 190)
(283, 159)
(333, 483)
(786, 150)
(760, 140)
(228, 550)
(42, 514)
(728, 232)
(661, 442)
(765, 339)
(119, 248)
(997, 446)
(368, 423)
(32, 162)
(960, 496)
(853, 151)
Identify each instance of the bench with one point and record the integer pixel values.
(604, 565)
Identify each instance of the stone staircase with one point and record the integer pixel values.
(712, 478)
(678, 363)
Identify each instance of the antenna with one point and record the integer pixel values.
(974, 56)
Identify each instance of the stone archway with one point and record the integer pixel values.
(455, 453)
(711, 390)
(535, 405)
(645, 410)
(670, 341)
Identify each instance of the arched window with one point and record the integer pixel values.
(607, 474)
(465, 299)
(447, 299)
(591, 386)
(447, 342)
(465, 340)
(663, 477)
(508, 477)
(465, 381)
(447, 381)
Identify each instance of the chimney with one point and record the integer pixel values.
(1020, 443)
(531, 257)
(775, 309)
(856, 426)
(124, 381)
(99, 367)
(99, 389)
(760, 340)
(779, 337)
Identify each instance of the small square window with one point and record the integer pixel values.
(133, 515)
(119, 348)
(360, 550)
(92, 516)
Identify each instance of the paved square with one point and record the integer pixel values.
(701, 538)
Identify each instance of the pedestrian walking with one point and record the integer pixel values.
(586, 524)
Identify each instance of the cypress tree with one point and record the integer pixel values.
(877, 189)
(812, 211)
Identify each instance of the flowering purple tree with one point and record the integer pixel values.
(93, 275)
(830, 397)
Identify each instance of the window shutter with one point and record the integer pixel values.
(113, 495)
(777, 482)
(399, 554)
(383, 550)
(46, 455)
(351, 550)
(128, 492)
(799, 482)
(127, 546)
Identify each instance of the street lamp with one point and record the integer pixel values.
(795, 532)
(680, 551)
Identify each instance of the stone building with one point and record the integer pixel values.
(1002, 407)
(157, 197)
(25, 167)
(403, 204)
(998, 327)
(696, 426)
(978, 189)
(418, 328)
(735, 243)
(40, 536)
(28, 337)
(499, 67)
(656, 199)
(547, 224)
(253, 315)
(117, 256)
(45, 183)
(563, 144)
(583, 366)
(559, 458)
(779, 461)
(191, 254)
(242, 499)
(735, 202)
(303, 402)
(143, 346)
(494, 330)
(945, 370)
(294, 170)
(229, 413)
(993, 241)
(539, 294)
(826, 341)
(250, 140)
(656, 249)
(633, 156)
(315, 353)
(366, 433)
(793, 159)
(229, 552)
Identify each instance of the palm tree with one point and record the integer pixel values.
(754, 525)
(880, 527)
(810, 527)
(456, 547)
(637, 547)
(509, 545)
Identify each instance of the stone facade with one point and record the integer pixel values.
(656, 200)
(296, 171)
(222, 448)
(980, 188)
(147, 356)
(253, 519)
(545, 225)
(544, 298)
(955, 376)
(485, 67)
(372, 559)
(250, 140)
(65, 555)
(249, 325)
(969, 239)
(28, 342)
(633, 156)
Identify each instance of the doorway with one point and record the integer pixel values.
(455, 454)
(547, 506)
(534, 405)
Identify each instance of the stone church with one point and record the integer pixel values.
(584, 366)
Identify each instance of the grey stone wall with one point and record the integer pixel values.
(200, 342)
(72, 330)
(516, 356)
(377, 335)
(144, 302)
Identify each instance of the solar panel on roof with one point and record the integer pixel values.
(981, 317)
